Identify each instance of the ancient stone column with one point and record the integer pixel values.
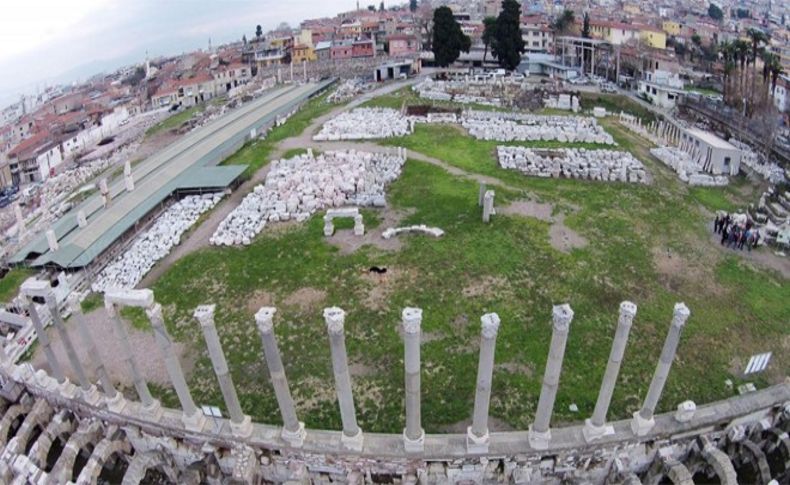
(595, 427)
(293, 430)
(481, 193)
(413, 434)
(352, 437)
(643, 420)
(488, 205)
(52, 240)
(539, 432)
(115, 400)
(82, 221)
(192, 417)
(240, 423)
(477, 434)
(151, 406)
(89, 392)
(43, 339)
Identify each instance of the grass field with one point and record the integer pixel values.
(9, 285)
(174, 121)
(648, 244)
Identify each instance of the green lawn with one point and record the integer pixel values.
(176, 120)
(647, 243)
(9, 285)
(407, 96)
(614, 103)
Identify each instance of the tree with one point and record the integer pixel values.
(680, 49)
(586, 26)
(372, 8)
(381, 6)
(508, 45)
(563, 23)
(489, 35)
(757, 37)
(412, 6)
(715, 12)
(448, 39)
(258, 31)
(696, 40)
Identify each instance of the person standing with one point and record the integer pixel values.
(716, 223)
(724, 235)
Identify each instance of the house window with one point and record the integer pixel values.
(726, 162)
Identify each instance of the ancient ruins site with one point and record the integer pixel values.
(420, 284)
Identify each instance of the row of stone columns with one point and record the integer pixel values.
(293, 431)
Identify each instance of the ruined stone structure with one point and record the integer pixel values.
(52, 431)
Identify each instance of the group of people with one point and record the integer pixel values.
(736, 235)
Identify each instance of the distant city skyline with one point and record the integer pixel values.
(53, 41)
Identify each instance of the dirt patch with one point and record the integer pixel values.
(349, 243)
(144, 348)
(485, 286)
(360, 369)
(529, 208)
(527, 370)
(305, 298)
(259, 299)
(677, 273)
(563, 238)
(380, 287)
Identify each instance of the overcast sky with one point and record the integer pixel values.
(42, 41)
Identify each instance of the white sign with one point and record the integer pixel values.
(758, 363)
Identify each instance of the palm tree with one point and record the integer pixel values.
(757, 37)
(727, 54)
(741, 56)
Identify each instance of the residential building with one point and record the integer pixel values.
(323, 50)
(671, 27)
(303, 53)
(661, 88)
(34, 160)
(269, 56)
(342, 49)
(780, 93)
(363, 48)
(537, 34)
(402, 45)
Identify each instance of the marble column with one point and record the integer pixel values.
(87, 389)
(293, 431)
(52, 240)
(192, 417)
(151, 406)
(240, 423)
(595, 427)
(539, 431)
(488, 205)
(114, 399)
(413, 433)
(477, 434)
(43, 339)
(352, 437)
(643, 420)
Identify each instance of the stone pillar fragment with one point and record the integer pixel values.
(643, 420)
(52, 240)
(82, 221)
(192, 417)
(413, 433)
(488, 206)
(115, 400)
(539, 432)
(359, 225)
(43, 339)
(481, 194)
(293, 430)
(151, 406)
(240, 423)
(595, 427)
(352, 437)
(477, 434)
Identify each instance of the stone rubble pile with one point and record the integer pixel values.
(770, 171)
(155, 243)
(419, 228)
(491, 125)
(562, 101)
(461, 91)
(605, 165)
(298, 187)
(347, 90)
(687, 169)
(365, 124)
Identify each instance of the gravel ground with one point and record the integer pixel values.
(144, 349)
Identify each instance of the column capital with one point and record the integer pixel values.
(561, 316)
(489, 324)
(680, 314)
(628, 309)
(265, 319)
(412, 319)
(205, 315)
(335, 318)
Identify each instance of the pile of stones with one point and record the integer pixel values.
(687, 169)
(562, 101)
(365, 124)
(770, 171)
(577, 163)
(155, 243)
(300, 186)
(497, 126)
(349, 89)
(419, 228)
(464, 90)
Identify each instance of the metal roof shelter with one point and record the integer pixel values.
(187, 165)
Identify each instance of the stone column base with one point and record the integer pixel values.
(641, 426)
(414, 445)
(196, 422)
(476, 444)
(353, 443)
(592, 432)
(91, 395)
(295, 439)
(152, 412)
(243, 429)
(67, 389)
(116, 404)
(539, 440)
